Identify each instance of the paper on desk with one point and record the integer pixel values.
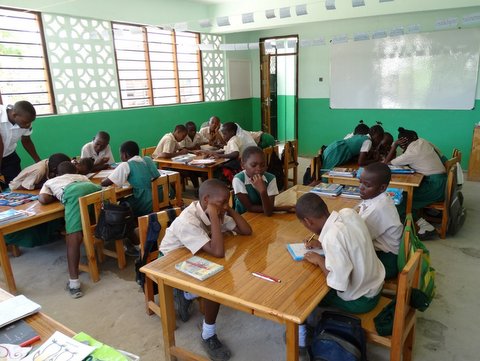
(15, 308)
(13, 352)
(164, 172)
(103, 173)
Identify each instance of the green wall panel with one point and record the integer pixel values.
(68, 133)
(286, 117)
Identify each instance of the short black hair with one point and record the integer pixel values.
(25, 107)
(88, 163)
(212, 187)
(311, 205)
(388, 135)
(103, 135)
(180, 128)
(382, 172)
(411, 135)
(230, 127)
(361, 128)
(190, 124)
(55, 159)
(130, 148)
(66, 167)
(250, 151)
(376, 129)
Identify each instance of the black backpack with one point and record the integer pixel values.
(338, 337)
(456, 212)
(275, 167)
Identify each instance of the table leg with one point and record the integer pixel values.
(408, 207)
(178, 191)
(6, 266)
(292, 341)
(210, 172)
(165, 298)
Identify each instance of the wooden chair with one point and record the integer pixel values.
(290, 160)
(268, 153)
(404, 322)
(163, 218)
(89, 221)
(457, 154)
(148, 151)
(157, 205)
(316, 166)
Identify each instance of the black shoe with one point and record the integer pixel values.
(215, 349)
(131, 250)
(427, 235)
(74, 292)
(182, 305)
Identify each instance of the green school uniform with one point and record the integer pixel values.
(342, 151)
(389, 261)
(140, 178)
(73, 191)
(360, 305)
(266, 140)
(252, 193)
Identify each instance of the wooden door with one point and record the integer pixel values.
(265, 90)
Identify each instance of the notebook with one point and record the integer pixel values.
(400, 169)
(12, 215)
(199, 268)
(18, 333)
(351, 192)
(298, 250)
(327, 189)
(15, 308)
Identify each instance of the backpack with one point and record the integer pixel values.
(338, 337)
(456, 212)
(115, 221)
(275, 167)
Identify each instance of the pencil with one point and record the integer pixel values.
(307, 242)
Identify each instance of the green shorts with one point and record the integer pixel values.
(389, 261)
(360, 305)
(73, 221)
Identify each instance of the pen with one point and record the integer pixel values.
(307, 242)
(265, 277)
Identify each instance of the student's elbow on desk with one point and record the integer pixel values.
(45, 198)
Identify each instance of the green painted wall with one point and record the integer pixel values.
(285, 117)
(68, 133)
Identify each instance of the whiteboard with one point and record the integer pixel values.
(239, 83)
(435, 70)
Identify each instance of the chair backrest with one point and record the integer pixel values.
(457, 154)
(164, 220)
(450, 163)
(268, 153)
(148, 151)
(316, 165)
(451, 185)
(156, 183)
(290, 152)
(89, 220)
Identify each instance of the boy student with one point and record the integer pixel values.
(211, 132)
(35, 175)
(193, 140)
(84, 165)
(380, 215)
(255, 189)
(200, 227)
(67, 187)
(263, 140)
(15, 123)
(99, 150)
(168, 146)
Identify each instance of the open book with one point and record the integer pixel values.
(15, 308)
(298, 250)
(199, 268)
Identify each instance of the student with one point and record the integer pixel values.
(15, 123)
(200, 227)
(263, 140)
(168, 146)
(369, 150)
(341, 151)
(84, 165)
(211, 132)
(99, 150)
(139, 173)
(67, 187)
(35, 175)
(385, 146)
(380, 215)
(193, 140)
(255, 189)
(360, 129)
(421, 156)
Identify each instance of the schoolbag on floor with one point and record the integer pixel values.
(338, 337)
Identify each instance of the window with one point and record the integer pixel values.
(23, 68)
(157, 66)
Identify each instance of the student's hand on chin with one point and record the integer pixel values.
(212, 210)
(258, 183)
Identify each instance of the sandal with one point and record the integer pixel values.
(74, 292)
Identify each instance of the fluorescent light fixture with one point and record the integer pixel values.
(305, 43)
(301, 9)
(252, 46)
(379, 34)
(270, 13)
(205, 23)
(397, 31)
(361, 36)
(330, 4)
(339, 39)
(446, 23)
(357, 3)
(285, 12)
(471, 19)
(247, 18)
(241, 46)
(223, 21)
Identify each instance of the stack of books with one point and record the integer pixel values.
(12, 215)
(184, 158)
(343, 172)
(199, 268)
(351, 192)
(327, 189)
(400, 169)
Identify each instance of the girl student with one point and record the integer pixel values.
(369, 151)
(361, 129)
(255, 189)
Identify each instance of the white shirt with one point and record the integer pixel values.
(240, 187)
(10, 133)
(56, 186)
(239, 144)
(88, 151)
(354, 268)
(383, 222)
(120, 174)
(30, 176)
(168, 144)
(216, 138)
(256, 135)
(366, 146)
(191, 229)
(198, 140)
(421, 156)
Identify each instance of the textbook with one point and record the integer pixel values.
(351, 192)
(199, 268)
(13, 199)
(298, 250)
(18, 333)
(202, 162)
(400, 169)
(327, 189)
(15, 308)
(11, 215)
(102, 351)
(396, 194)
(184, 158)
(343, 172)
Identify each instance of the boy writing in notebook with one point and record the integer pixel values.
(99, 150)
(67, 187)
(200, 227)
(168, 146)
(380, 215)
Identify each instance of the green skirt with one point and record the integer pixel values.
(73, 221)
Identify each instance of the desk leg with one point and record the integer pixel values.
(408, 207)
(165, 298)
(292, 341)
(178, 191)
(210, 173)
(6, 266)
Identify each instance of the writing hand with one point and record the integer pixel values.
(314, 243)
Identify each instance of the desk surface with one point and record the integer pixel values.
(166, 162)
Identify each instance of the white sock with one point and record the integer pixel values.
(302, 335)
(74, 283)
(208, 330)
(189, 296)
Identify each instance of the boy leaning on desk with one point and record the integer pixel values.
(200, 227)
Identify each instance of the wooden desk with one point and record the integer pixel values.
(44, 325)
(407, 182)
(302, 286)
(178, 166)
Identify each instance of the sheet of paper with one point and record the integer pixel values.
(15, 308)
